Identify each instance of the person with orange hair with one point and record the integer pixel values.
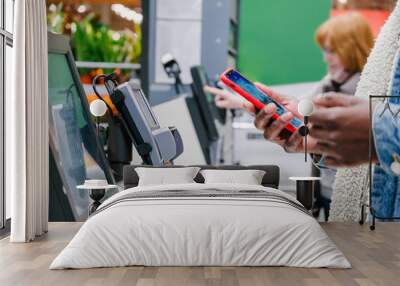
(346, 42)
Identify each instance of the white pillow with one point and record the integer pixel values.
(166, 176)
(247, 177)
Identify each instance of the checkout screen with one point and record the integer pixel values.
(72, 139)
(251, 89)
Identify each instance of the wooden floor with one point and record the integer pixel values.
(375, 257)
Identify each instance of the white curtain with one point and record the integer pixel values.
(27, 123)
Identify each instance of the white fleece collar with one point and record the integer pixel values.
(350, 185)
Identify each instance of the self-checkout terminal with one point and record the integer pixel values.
(77, 153)
(155, 144)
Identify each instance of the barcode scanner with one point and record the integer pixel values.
(305, 108)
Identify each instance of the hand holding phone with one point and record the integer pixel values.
(259, 99)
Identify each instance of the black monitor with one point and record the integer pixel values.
(210, 112)
(75, 151)
(200, 128)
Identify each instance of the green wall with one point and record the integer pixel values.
(276, 40)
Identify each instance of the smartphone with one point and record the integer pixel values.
(258, 98)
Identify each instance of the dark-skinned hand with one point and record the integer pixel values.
(340, 126)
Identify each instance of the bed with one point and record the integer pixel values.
(199, 224)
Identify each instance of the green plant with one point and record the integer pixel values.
(93, 41)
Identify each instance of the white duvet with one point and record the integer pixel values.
(200, 232)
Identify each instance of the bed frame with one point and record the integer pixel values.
(270, 179)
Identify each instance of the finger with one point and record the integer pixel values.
(330, 161)
(327, 118)
(277, 126)
(339, 162)
(334, 100)
(213, 90)
(326, 148)
(221, 104)
(280, 142)
(332, 135)
(294, 141)
(226, 104)
(264, 116)
(250, 107)
(216, 91)
(322, 134)
(218, 99)
(273, 94)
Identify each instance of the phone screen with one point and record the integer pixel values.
(251, 89)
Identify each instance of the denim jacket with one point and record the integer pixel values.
(386, 184)
(386, 129)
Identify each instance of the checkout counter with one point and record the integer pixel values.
(76, 151)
